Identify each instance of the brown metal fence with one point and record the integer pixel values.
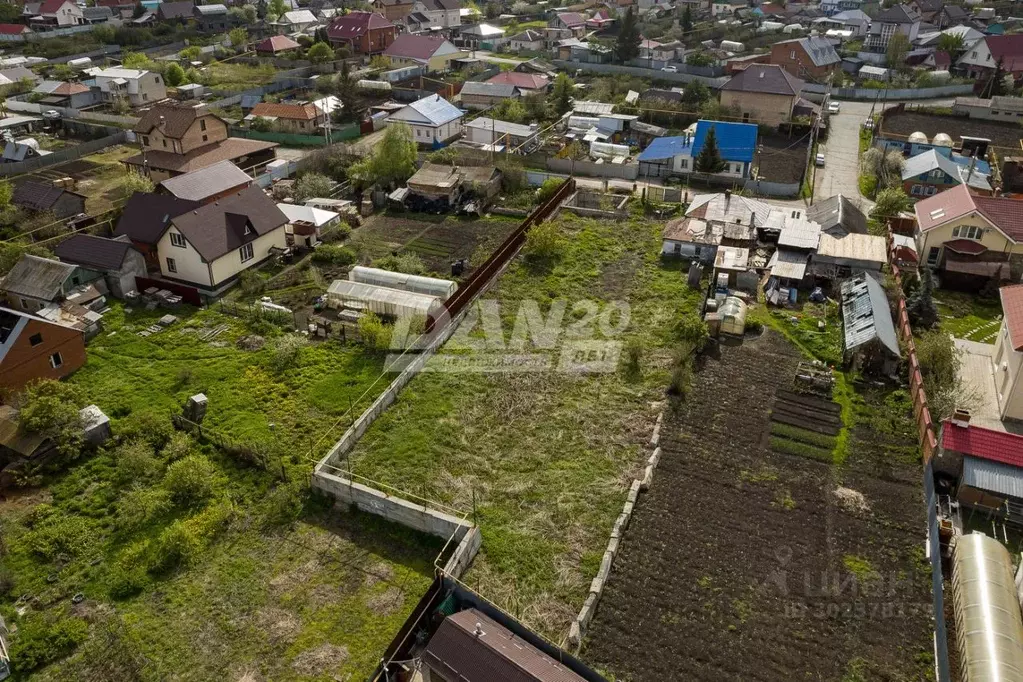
(467, 291)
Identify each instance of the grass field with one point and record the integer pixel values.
(255, 577)
(545, 458)
(223, 77)
(967, 316)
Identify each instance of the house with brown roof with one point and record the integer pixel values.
(432, 52)
(179, 138)
(14, 29)
(393, 10)
(34, 348)
(362, 32)
(469, 646)
(116, 259)
(40, 196)
(65, 94)
(764, 93)
(981, 59)
(812, 57)
(526, 83)
(174, 11)
(208, 247)
(276, 45)
(572, 21)
(301, 119)
(35, 282)
(970, 239)
(144, 219)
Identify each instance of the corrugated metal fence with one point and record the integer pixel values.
(63, 155)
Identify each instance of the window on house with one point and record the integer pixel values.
(932, 255)
(165, 144)
(967, 232)
(202, 124)
(145, 140)
(205, 138)
(56, 361)
(792, 54)
(684, 164)
(915, 189)
(144, 96)
(177, 239)
(248, 230)
(973, 54)
(24, 304)
(171, 265)
(35, 339)
(246, 252)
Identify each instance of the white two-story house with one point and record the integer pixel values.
(208, 247)
(137, 87)
(444, 13)
(898, 19)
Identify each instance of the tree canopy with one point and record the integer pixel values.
(561, 95)
(629, 38)
(320, 52)
(709, 159)
(392, 161)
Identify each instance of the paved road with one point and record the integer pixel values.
(840, 174)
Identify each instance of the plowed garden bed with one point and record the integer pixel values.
(743, 563)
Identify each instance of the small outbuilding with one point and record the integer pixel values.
(869, 339)
(381, 300)
(733, 316)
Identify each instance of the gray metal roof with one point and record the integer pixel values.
(205, 182)
(489, 89)
(866, 315)
(991, 476)
(434, 109)
(36, 277)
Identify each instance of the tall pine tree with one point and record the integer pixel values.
(687, 20)
(628, 38)
(709, 159)
(352, 104)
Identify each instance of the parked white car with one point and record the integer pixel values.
(833, 107)
(819, 160)
(670, 69)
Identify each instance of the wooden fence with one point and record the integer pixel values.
(259, 455)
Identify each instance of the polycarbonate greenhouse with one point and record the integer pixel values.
(430, 286)
(989, 628)
(381, 300)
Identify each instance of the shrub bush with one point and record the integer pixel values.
(51, 408)
(190, 481)
(375, 335)
(251, 282)
(408, 263)
(62, 533)
(285, 351)
(335, 254)
(284, 504)
(147, 426)
(547, 189)
(136, 462)
(139, 507)
(543, 242)
(176, 545)
(42, 638)
(180, 446)
(123, 582)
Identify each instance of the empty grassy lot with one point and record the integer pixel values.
(967, 316)
(544, 458)
(253, 578)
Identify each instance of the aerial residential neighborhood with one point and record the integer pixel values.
(436, 340)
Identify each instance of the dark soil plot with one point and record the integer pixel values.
(745, 564)
(783, 159)
(906, 123)
(437, 240)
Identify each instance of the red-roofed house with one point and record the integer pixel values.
(987, 464)
(970, 238)
(599, 20)
(980, 60)
(362, 32)
(1008, 357)
(14, 29)
(527, 83)
(431, 51)
(302, 119)
(573, 21)
(276, 44)
(57, 13)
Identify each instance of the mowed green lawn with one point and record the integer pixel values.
(544, 458)
(317, 596)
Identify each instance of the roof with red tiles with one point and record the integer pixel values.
(51, 6)
(952, 204)
(13, 29)
(572, 19)
(277, 44)
(355, 24)
(415, 46)
(966, 246)
(526, 81)
(1012, 309)
(303, 112)
(976, 441)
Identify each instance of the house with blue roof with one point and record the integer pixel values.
(434, 120)
(668, 156)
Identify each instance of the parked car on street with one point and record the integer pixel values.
(819, 160)
(833, 107)
(670, 69)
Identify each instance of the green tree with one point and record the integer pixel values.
(561, 95)
(393, 160)
(190, 53)
(190, 481)
(135, 181)
(511, 110)
(174, 75)
(261, 10)
(320, 52)
(51, 408)
(709, 159)
(898, 48)
(352, 103)
(278, 8)
(536, 107)
(687, 20)
(923, 313)
(312, 185)
(10, 13)
(889, 203)
(629, 38)
(952, 43)
(238, 37)
(136, 60)
(139, 10)
(694, 94)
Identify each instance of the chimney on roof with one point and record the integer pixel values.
(478, 631)
(961, 417)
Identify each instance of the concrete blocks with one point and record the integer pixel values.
(655, 438)
(575, 635)
(648, 477)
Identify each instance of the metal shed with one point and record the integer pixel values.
(431, 286)
(869, 337)
(989, 629)
(381, 300)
